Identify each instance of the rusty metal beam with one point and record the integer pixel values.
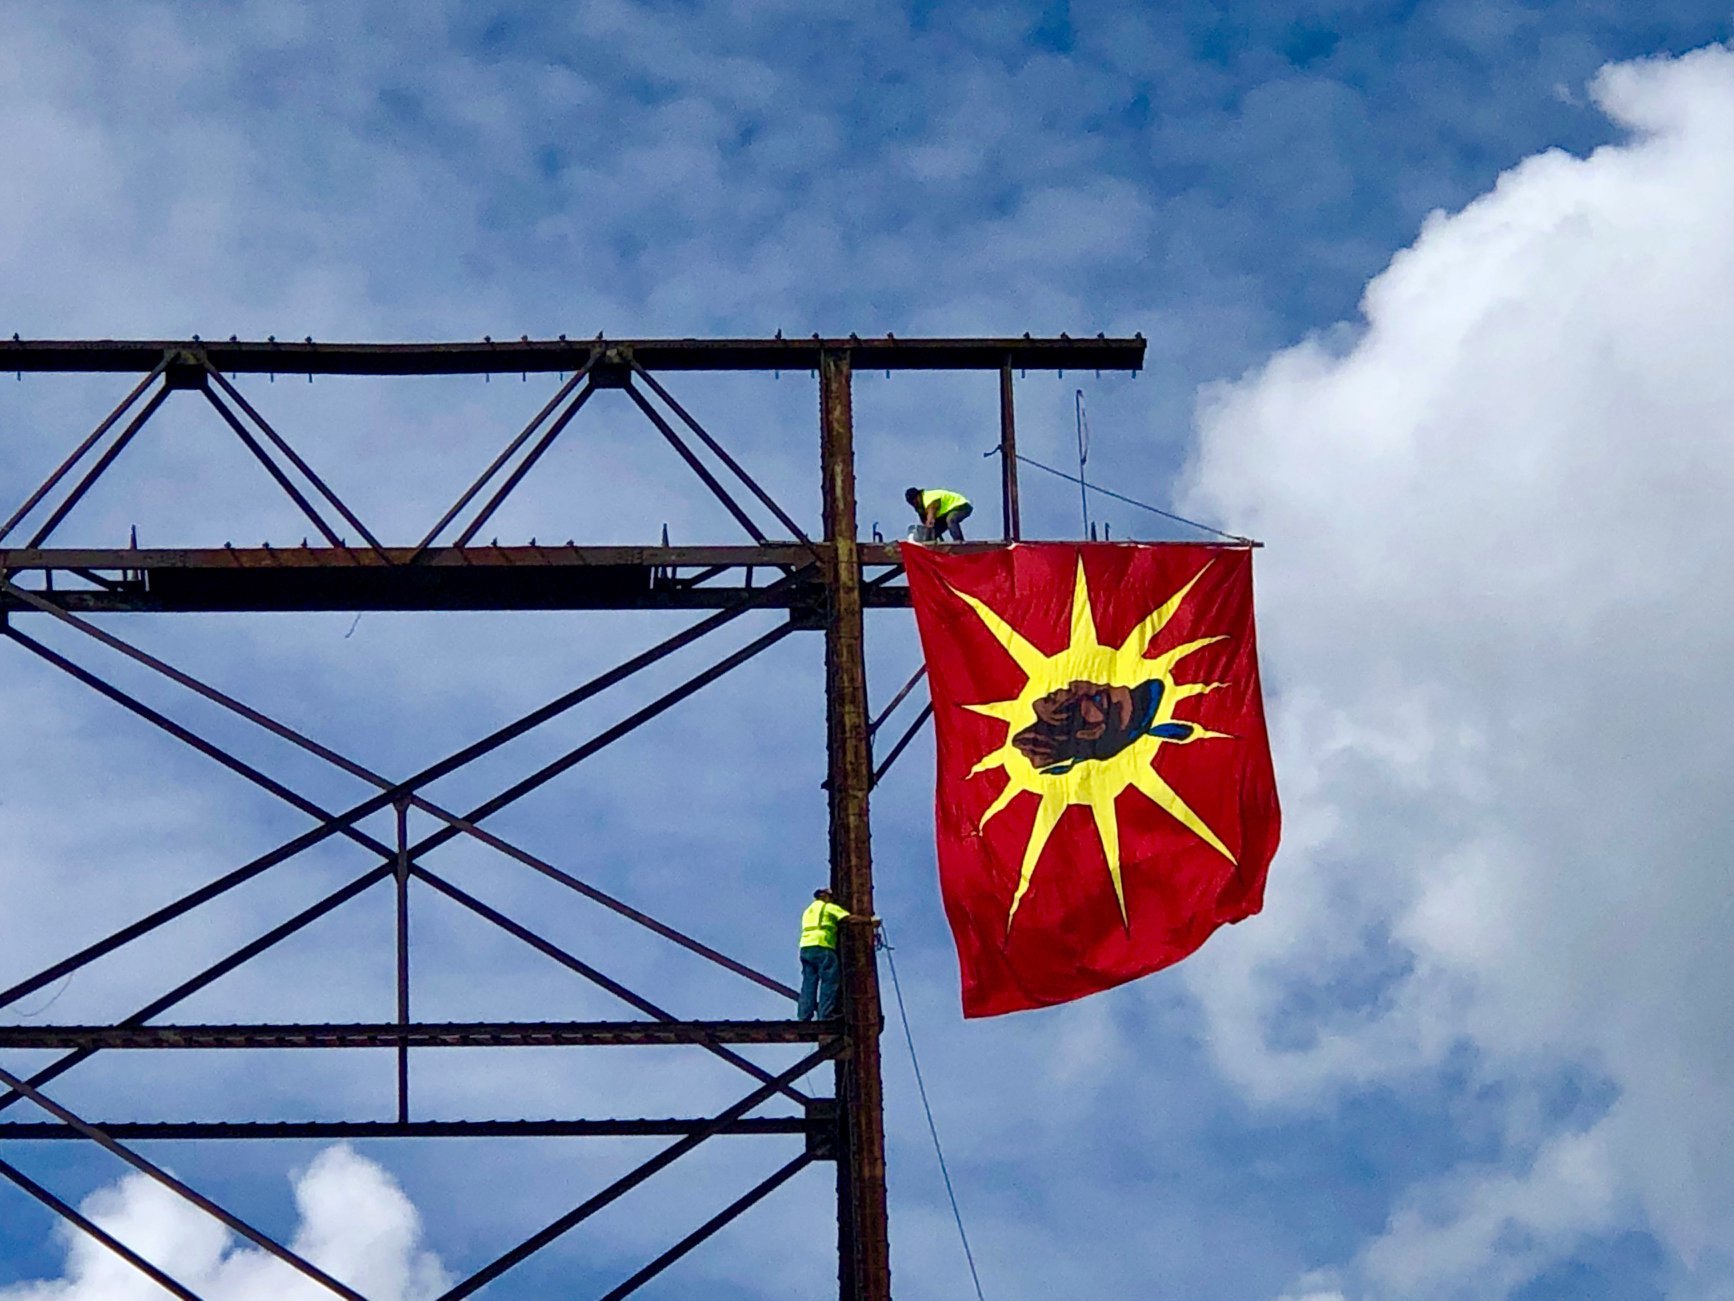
(862, 1225)
(430, 1034)
(534, 556)
(501, 357)
(472, 578)
(199, 1131)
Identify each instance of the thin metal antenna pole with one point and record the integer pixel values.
(1083, 456)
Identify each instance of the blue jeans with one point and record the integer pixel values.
(950, 522)
(821, 977)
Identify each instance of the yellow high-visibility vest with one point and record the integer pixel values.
(943, 498)
(819, 925)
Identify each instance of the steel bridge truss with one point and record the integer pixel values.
(822, 583)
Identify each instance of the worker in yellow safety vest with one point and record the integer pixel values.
(941, 511)
(821, 972)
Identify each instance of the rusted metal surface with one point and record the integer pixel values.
(863, 1235)
(540, 556)
(433, 1034)
(546, 356)
(871, 555)
(264, 579)
(199, 1131)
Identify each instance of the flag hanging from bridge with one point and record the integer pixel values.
(1105, 794)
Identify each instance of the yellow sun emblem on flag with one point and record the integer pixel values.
(1087, 726)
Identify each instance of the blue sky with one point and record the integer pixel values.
(1358, 1077)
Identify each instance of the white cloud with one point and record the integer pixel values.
(1496, 609)
(355, 1223)
(1498, 1227)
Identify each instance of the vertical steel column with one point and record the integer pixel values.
(1008, 455)
(863, 1241)
(402, 875)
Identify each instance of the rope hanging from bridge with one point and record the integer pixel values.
(921, 1086)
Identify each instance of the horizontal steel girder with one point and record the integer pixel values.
(331, 1130)
(535, 556)
(501, 356)
(565, 577)
(504, 1034)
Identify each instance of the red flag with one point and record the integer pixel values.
(1105, 796)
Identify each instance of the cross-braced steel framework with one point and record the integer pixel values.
(822, 583)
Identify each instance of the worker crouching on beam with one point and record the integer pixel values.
(941, 511)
